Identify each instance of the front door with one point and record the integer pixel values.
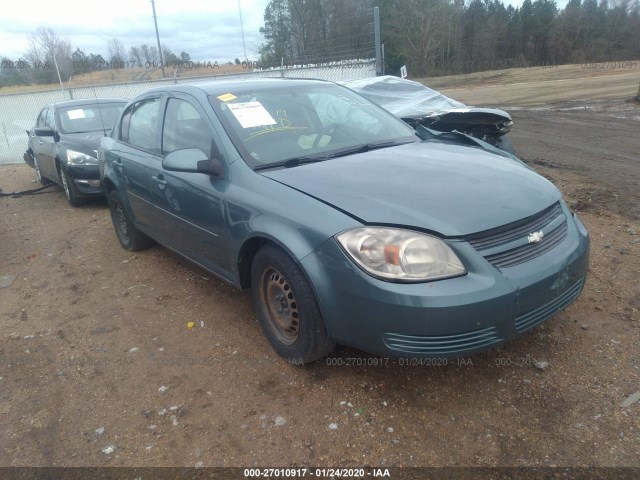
(44, 148)
(191, 205)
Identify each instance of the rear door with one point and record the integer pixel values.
(137, 157)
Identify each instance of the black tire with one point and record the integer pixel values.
(43, 181)
(287, 308)
(69, 188)
(504, 143)
(129, 236)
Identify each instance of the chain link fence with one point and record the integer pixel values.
(18, 111)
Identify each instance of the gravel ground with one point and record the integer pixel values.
(98, 365)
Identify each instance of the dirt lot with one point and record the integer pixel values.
(98, 365)
(543, 85)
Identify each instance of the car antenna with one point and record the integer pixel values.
(93, 87)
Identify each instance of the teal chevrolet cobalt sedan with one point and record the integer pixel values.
(348, 226)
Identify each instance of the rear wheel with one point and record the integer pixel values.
(129, 236)
(287, 307)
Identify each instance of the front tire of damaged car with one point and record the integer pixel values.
(70, 191)
(287, 308)
(129, 236)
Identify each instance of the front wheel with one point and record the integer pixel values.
(287, 307)
(129, 236)
(70, 190)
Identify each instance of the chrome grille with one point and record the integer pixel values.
(526, 252)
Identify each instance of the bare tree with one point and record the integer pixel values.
(48, 53)
(135, 56)
(117, 52)
(149, 54)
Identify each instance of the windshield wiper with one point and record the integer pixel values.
(294, 162)
(291, 162)
(367, 147)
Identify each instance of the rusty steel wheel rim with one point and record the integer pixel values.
(281, 307)
(122, 222)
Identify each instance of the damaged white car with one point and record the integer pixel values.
(418, 106)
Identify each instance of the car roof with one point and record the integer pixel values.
(223, 86)
(88, 101)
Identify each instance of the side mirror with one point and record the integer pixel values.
(44, 132)
(193, 160)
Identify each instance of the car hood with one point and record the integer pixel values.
(449, 189)
(83, 142)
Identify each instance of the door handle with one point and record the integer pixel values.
(40, 142)
(160, 181)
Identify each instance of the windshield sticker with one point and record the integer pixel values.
(227, 97)
(75, 114)
(251, 114)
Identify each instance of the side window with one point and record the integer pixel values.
(184, 127)
(140, 123)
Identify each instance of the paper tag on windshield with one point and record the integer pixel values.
(74, 114)
(251, 114)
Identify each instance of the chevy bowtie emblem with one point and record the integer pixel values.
(535, 237)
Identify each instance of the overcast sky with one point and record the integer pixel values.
(209, 30)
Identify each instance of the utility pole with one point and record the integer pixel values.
(244, 49)
(55, 62)
(155, 21)
(376, 29)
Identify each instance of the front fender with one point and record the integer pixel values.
(259, 208)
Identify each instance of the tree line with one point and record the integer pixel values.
(316, 31)
(431, 37)
(51, 58)
(435, 37)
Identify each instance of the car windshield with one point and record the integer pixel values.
(286, 126)
(89, 118)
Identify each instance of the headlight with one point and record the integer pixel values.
(79, 158)
(402, 255)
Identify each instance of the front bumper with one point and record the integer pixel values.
(86, 178)
(446, 318)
